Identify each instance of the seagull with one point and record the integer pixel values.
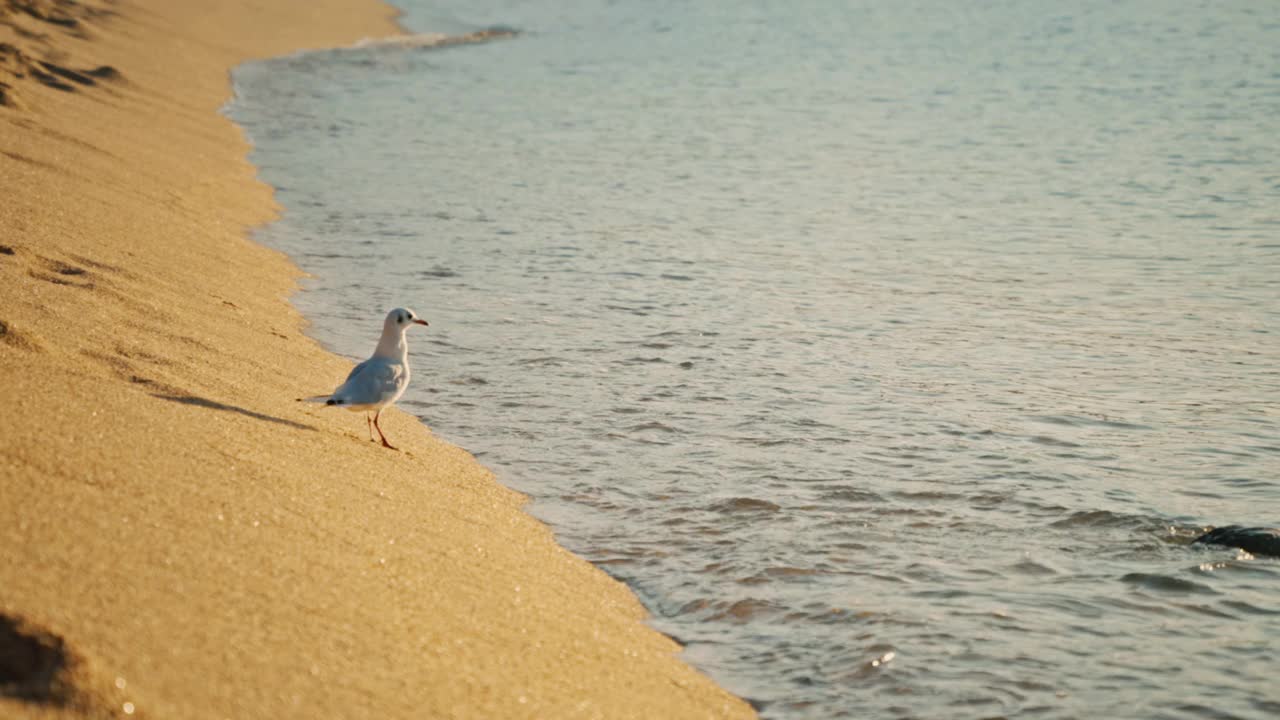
(379, 381)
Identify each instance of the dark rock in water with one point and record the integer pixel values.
(1254, 540)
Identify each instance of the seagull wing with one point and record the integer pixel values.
(376, 381)
(356, 370)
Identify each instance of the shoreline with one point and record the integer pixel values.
(183, 539)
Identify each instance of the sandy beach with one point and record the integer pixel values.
(180, 537)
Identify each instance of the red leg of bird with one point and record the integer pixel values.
(385, 444)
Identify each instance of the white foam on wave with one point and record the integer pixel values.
(425, 40)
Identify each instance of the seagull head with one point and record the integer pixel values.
(400, 319)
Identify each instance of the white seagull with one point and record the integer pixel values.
(379, 381)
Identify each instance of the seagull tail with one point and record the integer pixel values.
(326, 399)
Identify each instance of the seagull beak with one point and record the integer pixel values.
(420, 322)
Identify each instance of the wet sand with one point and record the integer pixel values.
(178, 536)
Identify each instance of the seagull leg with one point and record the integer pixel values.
(385, 444)
(369, 420)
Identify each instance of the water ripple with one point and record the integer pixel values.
(893, 354)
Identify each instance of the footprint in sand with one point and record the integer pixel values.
(62, 273)
(18, 62)
(30, 661)
(37, 667)
(12, 337)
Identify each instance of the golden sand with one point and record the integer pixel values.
(179, 538)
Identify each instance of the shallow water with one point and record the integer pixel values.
(892, 353)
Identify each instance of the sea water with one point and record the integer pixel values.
(892, 352)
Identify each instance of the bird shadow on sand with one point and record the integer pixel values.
(215, 405)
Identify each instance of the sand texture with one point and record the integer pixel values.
(180, 538)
